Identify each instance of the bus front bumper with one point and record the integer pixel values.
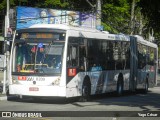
(48, 91)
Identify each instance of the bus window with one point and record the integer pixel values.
(82, 57)
(142, 56)
(44, 59)
(73, 56)
(1, 47)
(116, 46)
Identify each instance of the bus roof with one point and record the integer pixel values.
(63, 27)
(84, 32)
(140, 39)
(92, 33)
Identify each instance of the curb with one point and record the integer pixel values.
(3, 98)
(8, 98)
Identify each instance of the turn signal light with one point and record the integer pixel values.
(72, 72)
(21, 77)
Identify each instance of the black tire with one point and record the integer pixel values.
(119, 88)
(86, 91)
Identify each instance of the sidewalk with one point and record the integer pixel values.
(2, 96)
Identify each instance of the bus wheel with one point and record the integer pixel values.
(119, 88)
(86, 91)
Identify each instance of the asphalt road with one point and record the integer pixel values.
(105, 107)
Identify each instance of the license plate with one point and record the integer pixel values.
(35, 78)
(33, 89)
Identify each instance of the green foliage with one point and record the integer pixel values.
(55, 3)
(116, 15)
(3, 4)
(151, 11)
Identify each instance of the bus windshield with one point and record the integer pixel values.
(37, 55)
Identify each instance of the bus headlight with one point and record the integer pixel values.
(56, 82)
(16, 82)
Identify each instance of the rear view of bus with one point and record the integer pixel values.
(36, 63)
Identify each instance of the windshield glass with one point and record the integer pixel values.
(41, 55)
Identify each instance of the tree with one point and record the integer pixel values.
(3, 4)
(150, 10)
(116, 15)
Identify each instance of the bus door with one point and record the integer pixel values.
(72, 58)
(77, 54)
(133, 63)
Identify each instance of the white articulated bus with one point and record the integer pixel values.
(62, 61)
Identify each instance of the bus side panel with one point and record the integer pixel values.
(142, 65)
(147, 64)
(153, 70)
(101, 82)
(74, 86)
(142, 74)
(152, 76)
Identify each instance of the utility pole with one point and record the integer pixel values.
(5, 52)
(132, 17)
(93, 9)
(7, 19)
(99, 14)
(98, 11)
